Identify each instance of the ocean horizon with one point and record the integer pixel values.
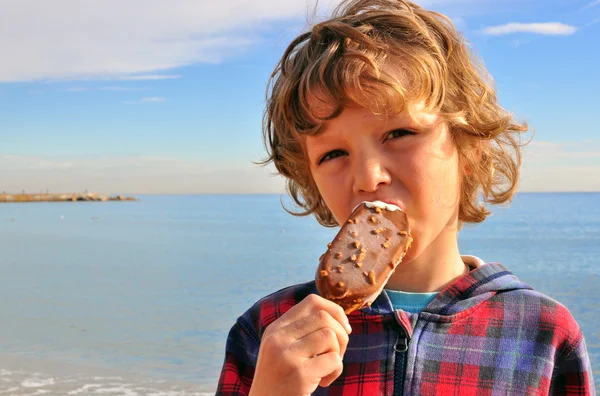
(136, 298)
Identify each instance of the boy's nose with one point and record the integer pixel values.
(369, 175)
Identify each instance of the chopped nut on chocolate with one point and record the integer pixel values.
(356, 244)
(340, 284)
(339, 269)
(373, 219)
(385, 245)
(354, 234)
(338, 255)
(353, 257)
(377, 209)
(324, 273)
(371, 277)
(329, 245)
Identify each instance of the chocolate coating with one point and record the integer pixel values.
(362, 256)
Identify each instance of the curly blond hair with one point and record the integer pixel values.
(387, 54)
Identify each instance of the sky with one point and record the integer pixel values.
(156, 96)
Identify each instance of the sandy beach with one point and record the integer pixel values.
(21, 376)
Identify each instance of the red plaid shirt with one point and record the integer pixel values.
(485, 334)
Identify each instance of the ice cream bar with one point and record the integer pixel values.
(363, 255)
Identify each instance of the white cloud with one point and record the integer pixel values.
(149, 77)
(546, 28)
(153, 99)
(567, 166)
(543, 151)
(548, 166)
(147, 39)
(592, 4)
(133, 175)
(10, 163)
(593, 22)
(130, 40)
(75, 89)
(121, 89)
(559, 178)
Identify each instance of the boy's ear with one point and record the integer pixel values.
(467, 170)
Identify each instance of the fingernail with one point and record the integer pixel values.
(348, 328)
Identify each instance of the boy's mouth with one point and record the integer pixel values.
(391, 203)
(397, 203)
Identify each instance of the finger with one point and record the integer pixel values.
(337, 313)
(328, 380)
(312, 303)
(316, 321)
(324, 368)
(319, 342)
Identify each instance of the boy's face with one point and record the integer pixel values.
(409, 160)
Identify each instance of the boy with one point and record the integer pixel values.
(385, 102)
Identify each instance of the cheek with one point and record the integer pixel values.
(448, 181)
(329, 189)
(436, 185)
(325, 185)
(445, 170)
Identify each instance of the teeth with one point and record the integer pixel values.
(382, 205)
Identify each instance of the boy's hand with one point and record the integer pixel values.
(302, 349)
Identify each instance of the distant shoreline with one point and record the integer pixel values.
(66, 197)
(97, 197)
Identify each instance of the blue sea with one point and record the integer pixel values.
(136, 298)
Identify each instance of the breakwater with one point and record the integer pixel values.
(66, 197)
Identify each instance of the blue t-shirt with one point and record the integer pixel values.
(410, 302)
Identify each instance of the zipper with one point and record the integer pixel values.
(401, 349)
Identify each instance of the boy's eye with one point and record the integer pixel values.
(396, 133)
(331, 155)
